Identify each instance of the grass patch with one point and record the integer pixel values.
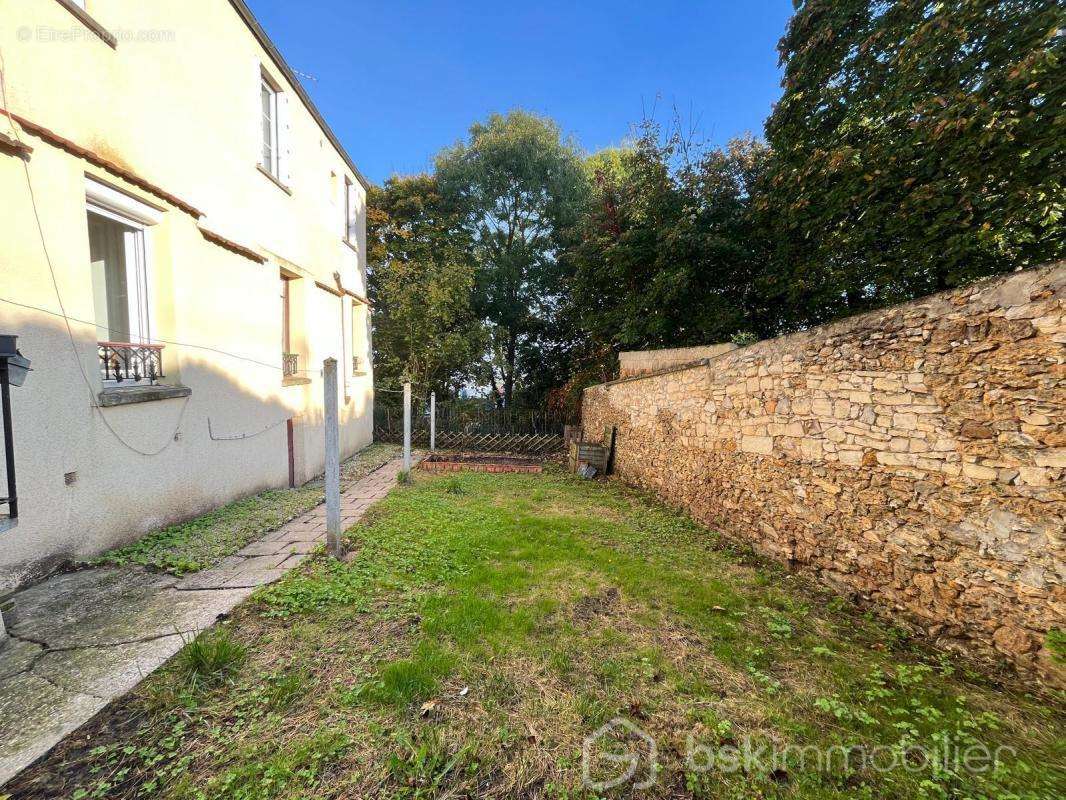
(488, 623)
(211, 656)
(203, 542)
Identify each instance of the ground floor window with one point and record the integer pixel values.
(120, 268)
(120, 280)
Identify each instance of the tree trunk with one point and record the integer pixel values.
(508, 378)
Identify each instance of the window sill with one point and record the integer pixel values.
(87, 20)
(295, 381)
(128, 395)
(360, 373)
(274, 179)
(350, 245)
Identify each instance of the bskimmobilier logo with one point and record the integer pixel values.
(619, 753)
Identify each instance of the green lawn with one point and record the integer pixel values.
(487, 624)
(203, 542)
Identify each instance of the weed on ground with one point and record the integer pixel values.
(488, 624)
(203, 542)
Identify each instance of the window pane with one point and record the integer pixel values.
(107, 253)
(267, 94)
(269, 144)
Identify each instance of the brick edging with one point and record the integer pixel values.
(457, 466)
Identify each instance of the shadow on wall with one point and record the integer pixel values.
(93, 479)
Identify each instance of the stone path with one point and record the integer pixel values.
(82, 639)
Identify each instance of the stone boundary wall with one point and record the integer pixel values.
(638, 362)
(913, 457)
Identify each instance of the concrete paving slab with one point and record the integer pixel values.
(208, 579)
(112, 606)
(34, 715)
(305, 536)
(17, 656)
(107, 672)
(79, 640)
(252, 578)
(300, 548)
(260, 549)
(262, 562)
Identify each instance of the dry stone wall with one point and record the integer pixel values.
(914, 457)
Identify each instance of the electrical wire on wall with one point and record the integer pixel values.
(240, 436)
(67, 319)
(208, 348)
(59, 298)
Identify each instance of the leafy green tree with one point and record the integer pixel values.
(517, 185)
(667, 254)
(918, 146)
(421, 281)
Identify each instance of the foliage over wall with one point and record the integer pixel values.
(917, 146)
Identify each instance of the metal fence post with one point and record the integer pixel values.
(333, 458)
(432, 421)
(407, 427)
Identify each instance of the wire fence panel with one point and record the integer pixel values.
(471, 426)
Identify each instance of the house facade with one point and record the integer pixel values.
(182, 245)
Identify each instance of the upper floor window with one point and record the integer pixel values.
(270, 155)
(349, 211)
(273, 128)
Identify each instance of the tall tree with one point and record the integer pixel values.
(918, 145)
(667, 253)
(518, 185)
(421, 281)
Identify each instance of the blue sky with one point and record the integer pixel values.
(397, 79)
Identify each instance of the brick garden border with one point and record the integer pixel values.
(457, 466)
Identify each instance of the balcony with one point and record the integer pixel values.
(126, 362)
(290, 365)
(290, 371)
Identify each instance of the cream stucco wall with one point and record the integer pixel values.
(175, 108)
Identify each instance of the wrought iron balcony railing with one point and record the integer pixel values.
(290, 364)
(125, 361)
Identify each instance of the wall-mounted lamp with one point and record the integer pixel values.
(13, 369)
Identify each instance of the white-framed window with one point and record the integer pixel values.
(359, 357)
(119, 255)
(269, 158)
(120, 282)
(349, 211)
(273, 127)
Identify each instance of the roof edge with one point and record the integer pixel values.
(246, 14)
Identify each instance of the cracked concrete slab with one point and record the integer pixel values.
(78, 641)
(255, 577)
(96, 607)
(34, 715)
(106, 672)
(260, 549)
(17, 656)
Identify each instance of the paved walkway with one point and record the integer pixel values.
(82, 639)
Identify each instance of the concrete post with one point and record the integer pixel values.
(407, 427)
(333, 459)
(432, 421)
